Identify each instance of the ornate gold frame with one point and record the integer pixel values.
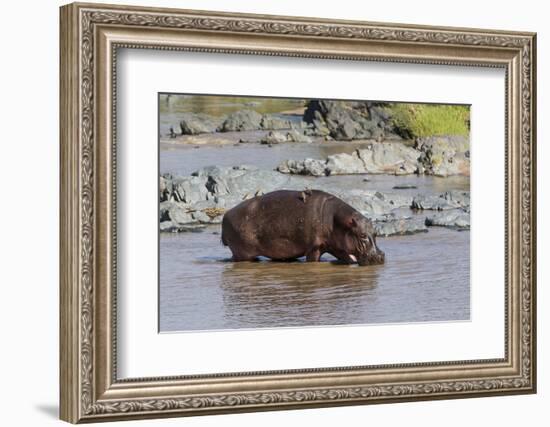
(90, 36)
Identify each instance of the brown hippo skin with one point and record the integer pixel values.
(285, 225)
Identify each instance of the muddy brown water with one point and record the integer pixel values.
(426, 277)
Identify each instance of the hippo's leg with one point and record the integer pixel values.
(252, 259)
(240, 258)
(240, 255)
(313, 255)
(342, 257)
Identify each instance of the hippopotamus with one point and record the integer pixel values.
(284, 225)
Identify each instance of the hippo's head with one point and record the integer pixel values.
(363, 237)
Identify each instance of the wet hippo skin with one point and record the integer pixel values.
(285, 225)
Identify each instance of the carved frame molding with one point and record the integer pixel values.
(90, 36)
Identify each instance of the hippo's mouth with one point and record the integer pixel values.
(372, 258)
(368, 253)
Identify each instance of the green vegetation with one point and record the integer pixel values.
(421, 120)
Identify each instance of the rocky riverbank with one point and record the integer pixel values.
(239, 121)
(192, 202)
(396, 146)
(331, 120)
(395, 139)
(439, 156)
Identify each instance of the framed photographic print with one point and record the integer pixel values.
(267, 212)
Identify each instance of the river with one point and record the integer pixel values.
(426, 277)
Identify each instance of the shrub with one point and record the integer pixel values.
(421, 120)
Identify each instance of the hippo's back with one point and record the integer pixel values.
(281, 214)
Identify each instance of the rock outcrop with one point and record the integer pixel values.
(196, 123)
(445, 201)
(203, 197)
(444, 156)
(277, 137)
(458, 219)
(440, 157)
(348, 120)
(242, 120)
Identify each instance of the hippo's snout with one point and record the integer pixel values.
(372, 258)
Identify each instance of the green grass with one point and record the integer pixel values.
(421, 120)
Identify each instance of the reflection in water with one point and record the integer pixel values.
(426, 277)
(296, 293)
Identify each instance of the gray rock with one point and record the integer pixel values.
(274, 138)
(241, 121)
(218, 182)
(170, 227)
(300, 125)
(457, 219)
(273, 122)
(396, 200)
(370, 206)
(347, 120)
(400, 227)
(205, 204)
(377, 134)
(208, 192)
(448, 200)
(312, 167)
(163, 210)
(243, 181)
(293, 135)
(317, 125)
(379, 114)
(219, 170)
(256, 182)
(404, 187)
(365, 201)
(315, 167)
(291, 166)
(203, 218)
(431, 202)
(177, 213)
(445, 155)
(458, 198)
(197, 123)
(190, 189)
(343, 164)
(348, 123)
(165, 188)
(297, 136)
(227, 201)
(391, 158)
